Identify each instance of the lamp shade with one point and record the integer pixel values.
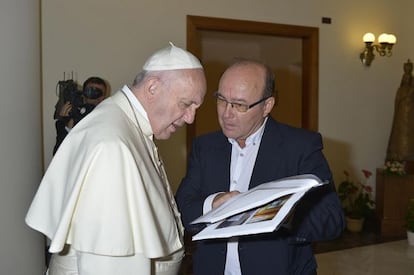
(368, 37)
(383, 38)
(392, 39)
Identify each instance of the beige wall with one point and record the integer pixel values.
(21, 249)
(113, 38)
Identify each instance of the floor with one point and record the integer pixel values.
(365, 253)
(396, 258)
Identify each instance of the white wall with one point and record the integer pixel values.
(113, 38)
(21, 249)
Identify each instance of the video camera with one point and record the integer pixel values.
(69, 92)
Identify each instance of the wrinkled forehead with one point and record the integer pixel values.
(188, 84)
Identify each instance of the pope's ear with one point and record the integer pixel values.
(152, 86)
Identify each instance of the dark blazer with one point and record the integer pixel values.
(284, 151)
(60, 124)
(61, 133)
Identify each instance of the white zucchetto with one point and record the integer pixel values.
(171, 58)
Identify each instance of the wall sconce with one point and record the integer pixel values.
(386, 41)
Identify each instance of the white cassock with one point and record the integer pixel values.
(106, 199)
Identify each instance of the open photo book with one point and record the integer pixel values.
(259, 210)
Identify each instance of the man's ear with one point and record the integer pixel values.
(151, 87)
(269, 104)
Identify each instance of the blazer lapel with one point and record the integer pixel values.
(269, 155)
(221, 154)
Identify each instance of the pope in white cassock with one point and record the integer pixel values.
(105, 202)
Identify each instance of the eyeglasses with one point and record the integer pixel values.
(240, 107)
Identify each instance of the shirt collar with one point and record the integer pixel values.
(139, 109)
(135, 102)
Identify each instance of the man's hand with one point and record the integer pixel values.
(65, 113)
(222, 197)
(65, 110)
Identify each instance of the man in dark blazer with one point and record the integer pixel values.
(251, 149)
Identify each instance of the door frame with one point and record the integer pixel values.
(310, 56)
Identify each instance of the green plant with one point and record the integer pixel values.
(356, 196)
(410, 216)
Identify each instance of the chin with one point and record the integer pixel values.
(229, 134)
(163, 136)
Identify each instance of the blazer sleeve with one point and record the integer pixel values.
(189, 198)
(61, 133)
(319, 214)
(207, 173)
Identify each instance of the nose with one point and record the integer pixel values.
(189, 115)
(228, 110)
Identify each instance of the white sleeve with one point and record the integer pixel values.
(208, 202)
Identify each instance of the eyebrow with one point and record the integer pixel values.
(241, 100)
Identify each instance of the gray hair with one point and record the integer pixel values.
(139, 78)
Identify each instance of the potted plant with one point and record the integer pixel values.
(410, 222)
(356, 198)
(394, 167)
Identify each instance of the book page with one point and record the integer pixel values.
(263, 219)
